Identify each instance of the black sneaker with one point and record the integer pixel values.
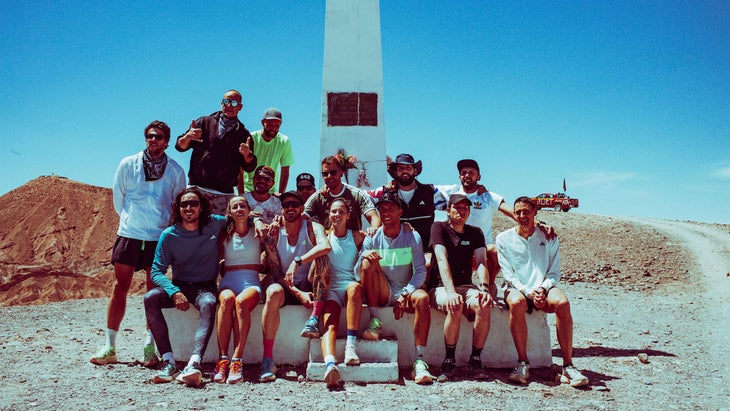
(476, 368)
(447, 370)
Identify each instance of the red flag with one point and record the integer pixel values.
(564, 189)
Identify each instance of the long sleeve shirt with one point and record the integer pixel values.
(528, 264)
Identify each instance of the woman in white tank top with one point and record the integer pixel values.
(238, 291)
(345, 290)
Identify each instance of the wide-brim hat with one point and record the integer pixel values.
(405, 159)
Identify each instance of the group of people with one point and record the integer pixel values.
(307, 247)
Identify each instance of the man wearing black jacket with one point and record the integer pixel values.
(221, 148)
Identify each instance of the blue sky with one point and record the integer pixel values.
(628, 101)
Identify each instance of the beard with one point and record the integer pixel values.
(406, 179)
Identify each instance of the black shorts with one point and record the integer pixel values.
(136, 253)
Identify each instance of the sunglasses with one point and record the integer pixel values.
(189, 203)
(155, 137)
(305, 187)
(229, 102)
(290, 204)
(329, 173)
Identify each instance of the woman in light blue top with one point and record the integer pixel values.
(345, 290)
(239, 290)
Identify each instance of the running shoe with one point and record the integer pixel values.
(420, 373)
(351, 357)
(235, 375)
(168, 373)
(373, 331)
(221, 370)
(311, 328)
(447, 369)
(572, 376)
(151, 359)
(191, 375)
(332, 376)
(476, 368)
(268, 370)
(521, 373)
(105, 355)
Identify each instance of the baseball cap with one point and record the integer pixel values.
(291, 193)
(467, 162)
(457, 198)
(390, 197)
(272, 113)
(305, 177)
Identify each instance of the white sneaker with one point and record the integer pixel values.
(191, 375)
(332, 376)
(572, 376)
(521, 373)
(351, 357)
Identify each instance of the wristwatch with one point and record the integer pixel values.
(484, 287)
(298, 260)
(404, 293)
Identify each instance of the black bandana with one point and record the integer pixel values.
(153, 169)
(226, 124)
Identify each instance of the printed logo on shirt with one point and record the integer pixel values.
(464, 242)
(542, 244)
(477, 205)
(213, 237)
(422, 203)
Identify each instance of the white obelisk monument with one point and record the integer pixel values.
(352, 88)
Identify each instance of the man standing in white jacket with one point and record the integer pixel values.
(145, 186)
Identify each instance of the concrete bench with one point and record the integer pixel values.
(290, 348)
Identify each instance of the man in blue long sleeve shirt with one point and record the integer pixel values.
(393, 269)
(190, 246)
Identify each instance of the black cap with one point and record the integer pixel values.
(467, 163)
(272, 113)
(457, 198)
(291, 193)
(305, 177)
(390, 197)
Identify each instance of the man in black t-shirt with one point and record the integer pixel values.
(454, 243)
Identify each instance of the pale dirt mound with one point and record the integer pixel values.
(56, 236)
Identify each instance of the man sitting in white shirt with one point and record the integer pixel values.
(530, 263)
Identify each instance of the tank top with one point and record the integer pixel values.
(243, 250)
(342, 258)
(287, 252)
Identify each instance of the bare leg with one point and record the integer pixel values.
(270, 317)
(517, 323)
(245, 303)
(331, 318)
(226, 307)
(558, 302)
(354, 306)
(422, 322)
(118, 302)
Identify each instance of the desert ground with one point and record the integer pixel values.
(636, 286)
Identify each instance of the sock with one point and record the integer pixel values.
(329, 359)
(269, 348)
(168, 358)
(223, 357)
(373, 312)
(195, 358)
(111, 337)
(476, 352)
(149, 339)
(450, 351)
(317, 307)
(351, 337)
(234, 359)
(419, 351)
